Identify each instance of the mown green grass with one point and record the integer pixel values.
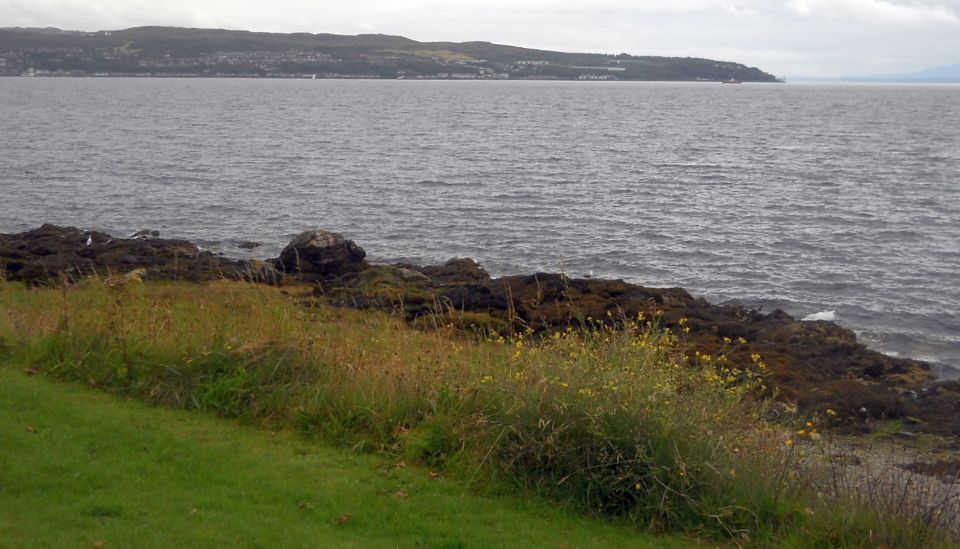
(79, 467)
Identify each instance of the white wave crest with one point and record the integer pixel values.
(822, 315)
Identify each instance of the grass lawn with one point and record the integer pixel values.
(79, 468)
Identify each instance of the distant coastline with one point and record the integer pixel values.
(216, 53)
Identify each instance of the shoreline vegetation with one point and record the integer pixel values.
(645, 407)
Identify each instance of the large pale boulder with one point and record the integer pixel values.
(322, 253)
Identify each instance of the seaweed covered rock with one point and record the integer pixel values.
(52, 252)
(459, 270)
(817, 364)
(321, 254)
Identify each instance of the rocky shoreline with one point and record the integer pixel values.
(817, 365)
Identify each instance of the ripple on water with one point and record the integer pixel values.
(809, 198)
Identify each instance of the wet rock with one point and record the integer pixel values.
(146, 233)
(322, 254)
(248, 245)
(457, 270)
(53, 252)
(474, 297)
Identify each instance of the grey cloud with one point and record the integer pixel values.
(786, 37)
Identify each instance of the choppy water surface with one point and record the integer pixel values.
(809, 198)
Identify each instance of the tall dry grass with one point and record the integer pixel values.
(613, 418)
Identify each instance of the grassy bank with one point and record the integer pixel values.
(78, 468)
(613, 419)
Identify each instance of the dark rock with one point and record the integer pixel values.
(456, 270)
(146, 233)
(51, 252)
(938, 407)
(818, 365)
(322, 254)
(474, 297)
(248, 245)
(947, 469)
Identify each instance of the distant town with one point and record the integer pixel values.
(266, 64)
(175, 52)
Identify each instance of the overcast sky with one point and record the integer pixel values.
(784, 37)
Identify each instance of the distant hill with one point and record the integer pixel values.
(172, 51)
(945, 74)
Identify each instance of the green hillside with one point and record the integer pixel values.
(171, 51)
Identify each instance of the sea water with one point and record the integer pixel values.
(837, 202)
